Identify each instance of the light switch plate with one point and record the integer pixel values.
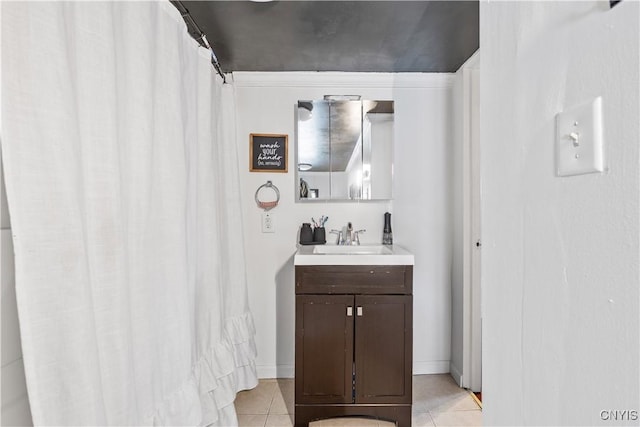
(579, 141)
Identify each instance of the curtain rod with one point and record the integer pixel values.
(201, 36)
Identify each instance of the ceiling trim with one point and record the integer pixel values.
(339, 79)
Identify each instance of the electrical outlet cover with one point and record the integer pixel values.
(579, 141)
(267, 223)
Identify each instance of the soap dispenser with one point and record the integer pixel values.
(387, 235)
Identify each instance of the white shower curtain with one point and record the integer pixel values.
(122, 179)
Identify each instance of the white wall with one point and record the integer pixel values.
(421, 212)
(14, 408)
(560, 255)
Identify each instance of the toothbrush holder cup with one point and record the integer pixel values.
(319, 235)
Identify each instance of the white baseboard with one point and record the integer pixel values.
(455, 373)
(430, 367)
(419, 368)
(275, 371)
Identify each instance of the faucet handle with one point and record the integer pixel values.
(339, 240)
(356, 236)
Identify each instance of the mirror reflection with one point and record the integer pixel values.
(345, 149)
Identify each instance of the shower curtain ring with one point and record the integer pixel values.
(268, 205)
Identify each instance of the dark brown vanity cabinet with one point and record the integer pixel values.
(353, 342)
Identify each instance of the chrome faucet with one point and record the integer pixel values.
(356, 237)
(347, 236)
(339, 239)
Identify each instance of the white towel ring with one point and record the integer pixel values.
(268, 205)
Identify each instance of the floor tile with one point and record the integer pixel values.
(283, 400)
(422, 420)
(457, 418)
(252, 420)
(440, 393)
(256, 401)
(274, 420)
(345, 422)
(437, 401)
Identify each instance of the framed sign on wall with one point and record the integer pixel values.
(268, 152)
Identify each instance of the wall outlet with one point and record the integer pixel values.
(267, 223)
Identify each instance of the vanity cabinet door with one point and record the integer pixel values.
(383, 348)
(324, 348)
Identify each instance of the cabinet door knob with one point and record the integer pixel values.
(349, 311)
(359, 311)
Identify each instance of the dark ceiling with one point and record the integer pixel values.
(356, 36)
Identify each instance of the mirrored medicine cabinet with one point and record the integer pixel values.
(344, 150)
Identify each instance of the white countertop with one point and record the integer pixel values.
(353, 255)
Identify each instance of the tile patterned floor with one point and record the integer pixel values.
(437, 401)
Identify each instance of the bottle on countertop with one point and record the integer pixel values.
(387, 234)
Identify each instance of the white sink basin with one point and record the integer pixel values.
(352, 250)
(352, 255)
